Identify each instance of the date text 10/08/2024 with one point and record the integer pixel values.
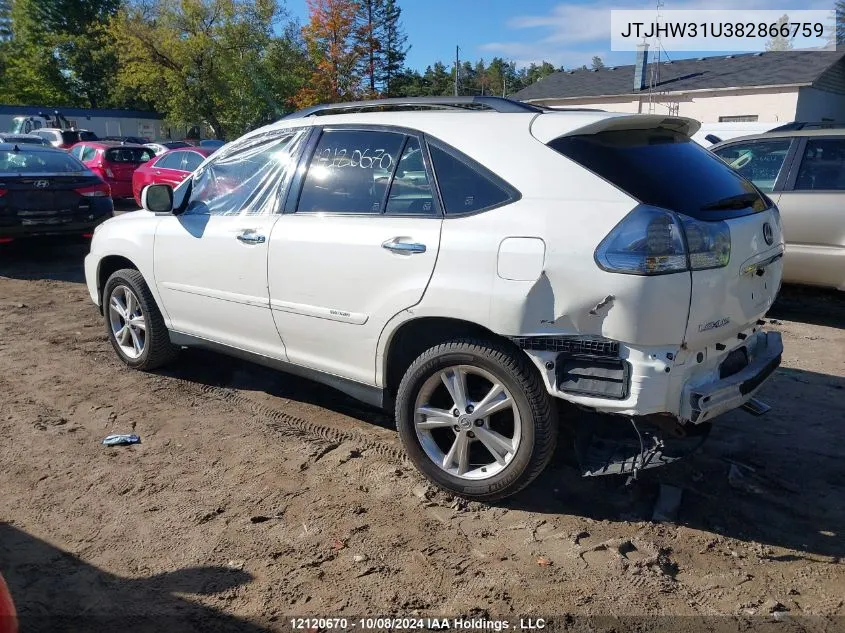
(415, 623)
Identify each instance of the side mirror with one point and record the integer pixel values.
(157, 198)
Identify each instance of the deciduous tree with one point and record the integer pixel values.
(332, 39)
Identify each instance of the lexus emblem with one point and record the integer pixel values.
(41, 184)
(767, 233)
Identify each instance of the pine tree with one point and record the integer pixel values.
(779, 42)
(394, 46)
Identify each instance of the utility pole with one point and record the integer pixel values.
(457, 67)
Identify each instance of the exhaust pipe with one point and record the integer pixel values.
(756, 407)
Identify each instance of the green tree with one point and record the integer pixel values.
(597, 63)
(779, 42)
(394, 46)
(5, 20)
(209, 62)
(437, 81)
(31, 72)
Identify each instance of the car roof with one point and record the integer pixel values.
(110, 144)
(30, 147)
(20, 135)
(451, 121)
(785, 134)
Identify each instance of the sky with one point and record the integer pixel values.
(564, 33)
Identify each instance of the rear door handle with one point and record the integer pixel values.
(251, 237)
(396, 245)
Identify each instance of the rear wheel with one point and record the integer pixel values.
(134, 323)
(475, 418)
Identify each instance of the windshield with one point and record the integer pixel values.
(129, 154)
(667, 169)
(41, 162)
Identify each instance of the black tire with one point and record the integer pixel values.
(536, 408)
(158, 350)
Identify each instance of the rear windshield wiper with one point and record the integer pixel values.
(739, 201)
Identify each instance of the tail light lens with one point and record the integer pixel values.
(3, 192)
(101, 190)
(654, 241)
(103, 167)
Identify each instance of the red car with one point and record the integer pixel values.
(115, 163)
(170, 168)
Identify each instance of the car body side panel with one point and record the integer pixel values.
(814, 224)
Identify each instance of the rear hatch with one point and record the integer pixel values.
(653, 160)
(43, 188)
(124, 160)
(46, 199)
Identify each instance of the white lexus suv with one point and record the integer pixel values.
(470, 262)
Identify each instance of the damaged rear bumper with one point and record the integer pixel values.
(704, 402)
(692, 385)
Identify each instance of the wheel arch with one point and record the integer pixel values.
(412, 337)
(107, 266)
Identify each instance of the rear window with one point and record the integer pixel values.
(70, 137)
(43, 162)
(667, 169)
(129, 154)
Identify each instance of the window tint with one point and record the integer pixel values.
(823, 165)
(349, 171)
(134, 155)
(410, 191)
(88, 153)
(38, 162)
(246, 178)
(463, 188)
(664, 168)
(759, 161)
(192, 161)
(170, 161)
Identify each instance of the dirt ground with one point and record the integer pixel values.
(255, 496)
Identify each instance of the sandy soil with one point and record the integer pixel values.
(256, 496)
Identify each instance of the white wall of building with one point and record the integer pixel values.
(105, 126)
(771, 105)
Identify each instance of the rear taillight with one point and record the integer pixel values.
(654, 241)
(102, 167)
(3, 192)
(101, 190)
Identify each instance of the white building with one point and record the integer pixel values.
(102, 122)
(773, 87)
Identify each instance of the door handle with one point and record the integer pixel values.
(396, 245)
(251, 237)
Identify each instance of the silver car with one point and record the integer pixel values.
(803, 171)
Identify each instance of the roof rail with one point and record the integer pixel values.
(497, 104)
(808, 125)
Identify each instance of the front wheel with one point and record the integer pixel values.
(134, 323)
(476, 419)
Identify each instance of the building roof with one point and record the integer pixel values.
(25, 110)
(781, 68)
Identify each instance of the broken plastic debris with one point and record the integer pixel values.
(121, 439)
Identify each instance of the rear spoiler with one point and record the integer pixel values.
(547, 127)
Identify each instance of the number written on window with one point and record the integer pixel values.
(350, 171)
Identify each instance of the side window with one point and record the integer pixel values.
(410, 191)
(759, 161)
(464, 188)
(170, 161)
(349, 171)
(192, 161)
(88, 153)
(245, 179)
(822, 166)
(77, 150)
